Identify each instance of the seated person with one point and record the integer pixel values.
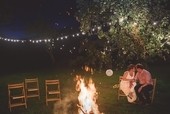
(144, 85)
(128, 83)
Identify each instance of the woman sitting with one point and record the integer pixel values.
(128, 83)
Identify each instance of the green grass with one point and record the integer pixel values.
(107, 98)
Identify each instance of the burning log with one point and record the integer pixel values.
(81, 108)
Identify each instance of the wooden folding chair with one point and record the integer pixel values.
(32, 88)
(153, 90)
(16, 94)
(52, 90)
(120, 92)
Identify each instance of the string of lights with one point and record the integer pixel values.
(62, 37)
(51, 40)
(42, 40)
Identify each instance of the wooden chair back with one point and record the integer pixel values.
(32, 88)
(153, 90)
(52, 90)
(16, 94)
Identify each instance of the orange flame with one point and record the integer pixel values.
(87, 96)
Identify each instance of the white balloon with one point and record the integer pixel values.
(109, 72)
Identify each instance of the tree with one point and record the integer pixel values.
(134, 30)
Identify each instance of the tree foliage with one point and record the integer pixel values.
(134, 30)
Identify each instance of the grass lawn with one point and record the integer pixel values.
(107, 100)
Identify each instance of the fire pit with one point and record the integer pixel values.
(81, 102)
(87, 96)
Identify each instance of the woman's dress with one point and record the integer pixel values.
(128, 88)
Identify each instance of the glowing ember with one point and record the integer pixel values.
(87, 96)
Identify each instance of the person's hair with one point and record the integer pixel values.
(139, 66)
(131, 66)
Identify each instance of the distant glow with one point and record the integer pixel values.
(98, 28)
(110, 23)
(70, 51)
(83, 33)
(103, 52)
(66, 37)
(121, 19)
(154, 23)
(45, 40)
(134, 24)
(168, 43)
(78, 34)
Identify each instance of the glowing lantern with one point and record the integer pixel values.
(109, 72)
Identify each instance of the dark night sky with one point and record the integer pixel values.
(30, 19)
(19, 17)
(26, 19)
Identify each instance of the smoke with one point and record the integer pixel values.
(67, 105)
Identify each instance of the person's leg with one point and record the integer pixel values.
(139, 94)
(145, 90)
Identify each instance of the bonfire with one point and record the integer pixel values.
(87, 96)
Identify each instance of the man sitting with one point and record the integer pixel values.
(144, 85)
